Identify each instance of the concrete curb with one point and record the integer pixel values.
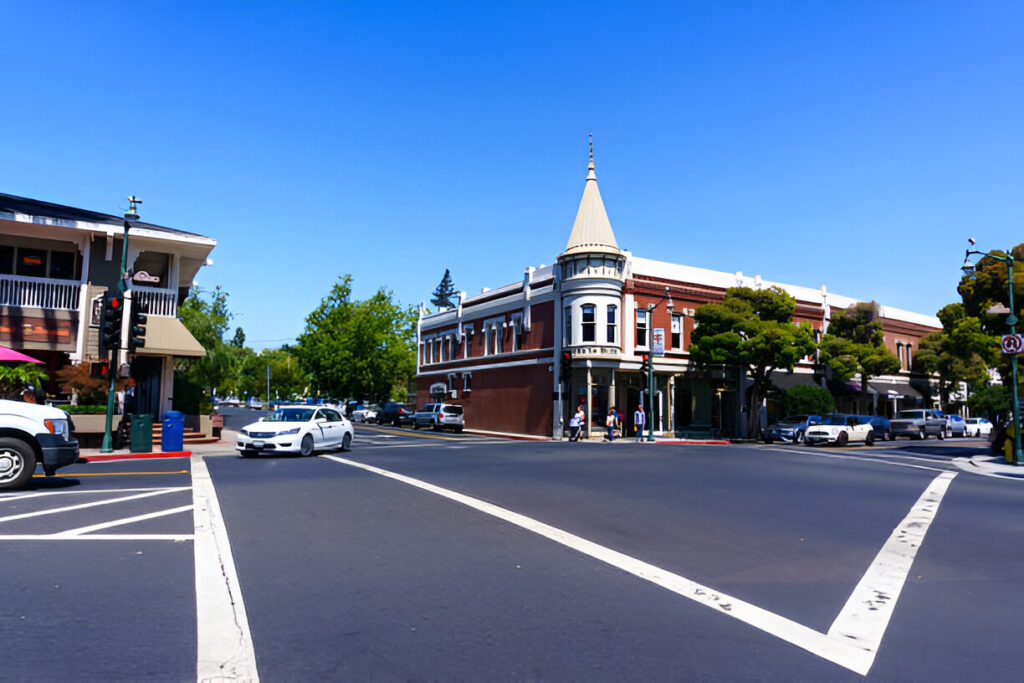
(102, 457)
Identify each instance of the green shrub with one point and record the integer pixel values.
(85, 410)
(806, 400)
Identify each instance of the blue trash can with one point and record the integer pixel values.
(172, 437)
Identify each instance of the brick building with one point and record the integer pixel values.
(499, 353)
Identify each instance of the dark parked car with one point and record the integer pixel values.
(880, 426)
(398, 414)
(791, 428)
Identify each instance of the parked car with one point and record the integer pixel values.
(791, 428)
(30, 435)
(978, 427)
(880, 426)
(366, 413)
(840, 429)
(919, 423)
(955, 426)
(397, 414)
(254, 403)
(439, 416)
(296, 429)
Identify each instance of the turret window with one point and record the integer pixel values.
(588, 323)
(612, 323)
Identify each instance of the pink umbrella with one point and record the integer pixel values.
(7, 354)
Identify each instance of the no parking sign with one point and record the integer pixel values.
(1012, 343)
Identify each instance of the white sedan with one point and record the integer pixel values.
(840, 430)
(978, 427)
(296, 429)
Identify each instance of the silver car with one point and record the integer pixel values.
(439, 416)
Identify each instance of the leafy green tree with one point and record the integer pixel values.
(358, 348)
(442, 297)
(855, 345)
(15, 378)
(238, 341)
(286, 375)
(960, 352)
(752, 329)
(992, 401)
(806, 400)
(205, 313)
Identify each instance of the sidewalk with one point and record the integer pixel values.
(226, 446)
(991, 466)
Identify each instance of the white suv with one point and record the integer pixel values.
(439, 416)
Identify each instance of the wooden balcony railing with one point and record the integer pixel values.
(23, 292)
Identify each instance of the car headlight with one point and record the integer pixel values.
(243, 432)
(290, 431)
(57, 427)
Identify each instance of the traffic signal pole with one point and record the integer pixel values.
(129, 218)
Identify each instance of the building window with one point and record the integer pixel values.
(910, 357)
(517, 334)
(467, 339)
(451, 382)
(499, 339)
(568, 326)
(588, 323)
(467, 382)
(677, 331)
(899, 354)
(488, 334)
(641, 327)
(612, 322)
(31, 262)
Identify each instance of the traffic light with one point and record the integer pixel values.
(137, 326)
(645, 368)
(99, 370)
(110, 322)
(566, 372)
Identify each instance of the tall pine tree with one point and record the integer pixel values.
(444, 292)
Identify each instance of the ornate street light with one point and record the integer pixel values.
(1011, 320)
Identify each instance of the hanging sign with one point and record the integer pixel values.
(658, 342)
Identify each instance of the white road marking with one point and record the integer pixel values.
(120, 522)
(866, 614)
(855, 652)
(877, 460)
(225, 650)
(76, 492)
(82, 506)
(99, 537)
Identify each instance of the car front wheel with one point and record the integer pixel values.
(799, 437)
(346, 442)
(869, 439)
(306, 445)
(17, 463)
(842, 439)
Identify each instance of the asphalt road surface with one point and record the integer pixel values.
(425, 556)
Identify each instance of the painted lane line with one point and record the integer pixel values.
(82, 506)
(22, 496)
(878, 461)
(834, 648)
(224, 643)
(866, 615)
(121, 522)
(99, 537)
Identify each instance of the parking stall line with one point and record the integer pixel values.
(121, 522)
(82, 506)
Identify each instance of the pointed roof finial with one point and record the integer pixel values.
(591, 136)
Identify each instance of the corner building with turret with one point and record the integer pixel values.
(599, 310)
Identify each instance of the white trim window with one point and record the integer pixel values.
(588, 323)
(641, 327)
(677, 331)
(488, 340)
(467, 340)
(467, 382)
(499, 338)
(568, 326)
(517, 333)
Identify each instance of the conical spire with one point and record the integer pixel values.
(592, 231)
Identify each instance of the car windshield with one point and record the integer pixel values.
(290, 415)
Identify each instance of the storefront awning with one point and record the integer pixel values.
(784, 381)
(897, 390)
(169, 337)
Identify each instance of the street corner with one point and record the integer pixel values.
(990, 466)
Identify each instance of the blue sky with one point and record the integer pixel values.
(852, 144)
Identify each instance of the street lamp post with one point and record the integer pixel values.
(129, 217)
(1011, 320)
(650, 364)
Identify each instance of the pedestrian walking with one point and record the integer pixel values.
(639, 420)
(575, 424)
(610, 422)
